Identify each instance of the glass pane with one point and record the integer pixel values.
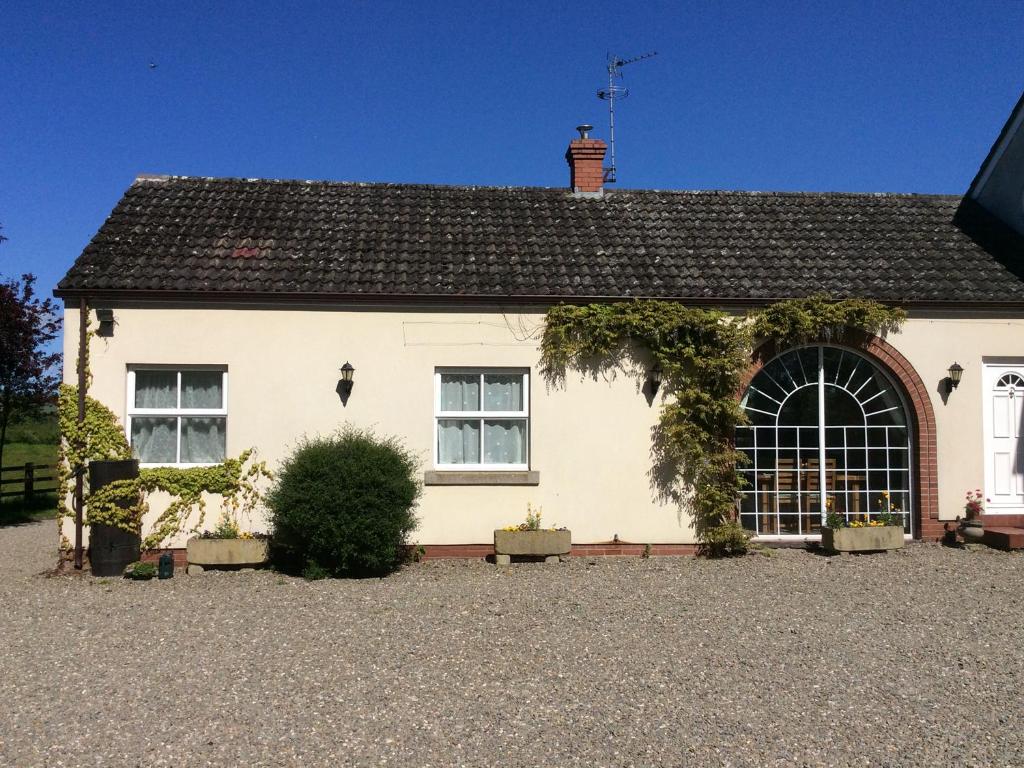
(202, 389)
(899, 480)
(746, 480)
(898, 459)
(801, 409)
(156, 389)
(749, 522)
(780, 370)
(875, 437)
(830, 360)
(767, 520)
(155, 440)
(458, 441)
(787, 438)
(505, 441)
(856, 458)
(202, 440)
(879, 398)
(747, 503)
(760, 402)
(460, 392)
(842, 409)
(835, 458)
(503, 392)
(765, 483)
(876, 459)
(744, 437)
(806, 366)
(856, 503)
(765, 437)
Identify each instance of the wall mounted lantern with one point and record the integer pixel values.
(106, 321)
(656, 376)
(956, 373)
(344, 388)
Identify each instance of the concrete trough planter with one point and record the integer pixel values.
(225, 553)
(551, 545)
(867, 539)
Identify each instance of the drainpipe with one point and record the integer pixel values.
(83, 351)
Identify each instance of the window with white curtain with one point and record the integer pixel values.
(177, 415)
(481, 418)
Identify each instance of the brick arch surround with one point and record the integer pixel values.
(925, 463)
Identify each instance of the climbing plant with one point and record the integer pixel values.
(703, 355)
(99, 437)
(819, 318)
(123, 503)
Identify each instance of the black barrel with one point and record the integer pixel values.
(111, 549)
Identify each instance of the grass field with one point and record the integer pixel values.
(13, 510)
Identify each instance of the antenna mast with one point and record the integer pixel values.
(613, 92)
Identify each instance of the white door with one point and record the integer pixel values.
(1004, 446)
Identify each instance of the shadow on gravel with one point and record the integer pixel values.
(18, 512)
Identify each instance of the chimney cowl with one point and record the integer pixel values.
(585, 157)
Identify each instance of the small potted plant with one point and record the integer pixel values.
(528, 539)
(882, 532)
(971, 527)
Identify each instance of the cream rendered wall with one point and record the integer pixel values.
(590, 441)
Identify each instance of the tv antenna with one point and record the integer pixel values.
(610, 94)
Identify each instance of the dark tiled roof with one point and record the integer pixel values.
(230, 236)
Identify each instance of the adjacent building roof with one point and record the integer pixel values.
(225, 238)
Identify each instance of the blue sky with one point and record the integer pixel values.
(864, 96)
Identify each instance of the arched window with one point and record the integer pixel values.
(828, 431)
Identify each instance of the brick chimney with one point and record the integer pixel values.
(585, 157)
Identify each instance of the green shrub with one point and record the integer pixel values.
(343, 506)
(140, 571)
(726, 540)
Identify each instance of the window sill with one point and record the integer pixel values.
(447, 477)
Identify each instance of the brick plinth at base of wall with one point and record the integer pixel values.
(180, 556)
(481, 551)
(609, 549)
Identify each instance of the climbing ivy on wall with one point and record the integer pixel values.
(123, 503)
(703, 355)
(99, 437)
(821, 319)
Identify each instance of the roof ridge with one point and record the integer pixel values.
(146, 177)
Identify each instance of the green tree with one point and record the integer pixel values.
(28, 370)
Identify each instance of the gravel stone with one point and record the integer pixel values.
(903, 659)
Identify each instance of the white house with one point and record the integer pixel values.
(236, 302)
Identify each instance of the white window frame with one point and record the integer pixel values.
(177, 412)
(482, 415)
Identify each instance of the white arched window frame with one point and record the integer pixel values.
(823, 418)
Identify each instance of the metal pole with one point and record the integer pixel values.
(79, 469)
(611, 117)
(822, 475)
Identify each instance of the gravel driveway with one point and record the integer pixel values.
(911, 658)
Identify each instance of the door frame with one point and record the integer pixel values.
(992, 368)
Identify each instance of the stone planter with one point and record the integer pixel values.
(225, 553)
(551, 545)
(972, 530)
(877, 539)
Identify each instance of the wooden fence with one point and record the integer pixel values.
(33, 479)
